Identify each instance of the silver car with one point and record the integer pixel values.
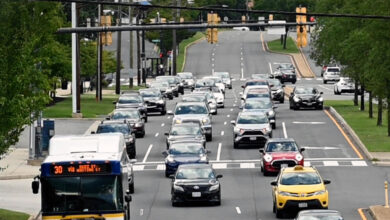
(251, 128)
(186, 131)
(201, 97)
(193, 112)
(227, 80)
(263, 105)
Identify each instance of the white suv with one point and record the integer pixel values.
(331, 74)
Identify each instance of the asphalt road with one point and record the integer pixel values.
(246, 193)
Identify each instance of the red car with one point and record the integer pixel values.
(279, 152)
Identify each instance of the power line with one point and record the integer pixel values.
(222, 9)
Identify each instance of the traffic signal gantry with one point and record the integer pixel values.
(212, 33)
(301, 29)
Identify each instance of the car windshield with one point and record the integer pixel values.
(159, 84)
(111, 128)
(149, 93)
(195, 173)
(217, 80)
(301, 178)
(185, 75)
(178, 149)
(281, 147)
(258, 104)
(274, 82)
(320, 216)
(333, 70)
(82, 194)
(257, 95)
(215, 89)
(286, 66)
(256, 83)
(308, 91)
(221, 74)
(252, 119)
(347, 80)
(129, 100)
(193, 98)
(170, 80)
(185, 130)
(202, 83)
(125, 115)
(191, 109)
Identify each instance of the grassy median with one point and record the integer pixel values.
(89, 107)
(180, 60)
(276, 46)
(374, 138)
(11, 215)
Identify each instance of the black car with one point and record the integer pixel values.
(132, 117)
(308, 97)
(185, 131)
(121, 127)
(133, 100)
(154, 100)
(277, 90)
(184, 152)
(287, 76)
(195, 182)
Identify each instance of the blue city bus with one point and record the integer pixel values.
(86, 177)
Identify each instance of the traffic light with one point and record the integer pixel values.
(301, 29)
(212, 33)
(106, 37)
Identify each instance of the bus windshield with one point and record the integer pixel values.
(82, 194)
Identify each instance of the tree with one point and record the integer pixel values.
(27, 34)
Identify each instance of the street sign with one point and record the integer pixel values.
(279, 30)
(156, 40)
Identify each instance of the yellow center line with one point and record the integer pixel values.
(262, 40)
(362, 215)
(345, 135)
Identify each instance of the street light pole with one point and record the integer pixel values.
(118, 53)
(174, 39)
(131, 45)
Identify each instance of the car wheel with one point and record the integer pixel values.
(171, 97)
(131, 187)
(294, 82)
(177, 94)
(265, 172)
(166, 174)
(282, 101)
(146, 119)
(274, 125)
(279, 213)
(235, 145)
(295, 107)
(174, 204)
(320, 107)
(291, 106)
(274, 207)
(325, 82)
(164, 112)
(214, 113)
(218, 203)
(230, 87)
(209, 137)
(143, 134)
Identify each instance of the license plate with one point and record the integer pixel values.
(196, 194)
(252, 138)
(283, 165)
(309, 103)
(302, 205)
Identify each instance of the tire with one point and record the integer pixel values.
(291, 107)
(218, 203)
(235, 145)
(325, 82)
(132, 154)
(174, 204)
(143, 134)
(294, 82)
(265, 172)
(279, 213)
(274, 125)
(171, 97)
(177, 94)
(320, 107)
(209, 137)
(166, 174)
(230, 87)
(164, 112)
(215, 112)
(131, 187)
(146, 119)
(281, 101)
(273, 207)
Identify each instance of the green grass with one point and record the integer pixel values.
(89, 107)
(182, 53)
(374, 138)
(276, 46)
(11, 215)
(125, 88)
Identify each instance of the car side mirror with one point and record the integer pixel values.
(261, 151)
(326, 182)
(165, 153)
(321, 93)
(108, 118)
(166, 134)
(128, 198)
(302, 149)
(274, 183)
(169, 112)
(219, 176)
(243, 86)
(93, 132)
(233, 122)
(35, 186)
(114, 102)
(283, 85)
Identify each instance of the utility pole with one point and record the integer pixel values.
(75, 66)
(174, 39)
(138, 54)
(143, 56)
(131, 44)
(99, 58)
(118, 53)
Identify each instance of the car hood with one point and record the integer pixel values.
(186, 137)
(257, 110)
(130, 105)
(186, 158)
(218, 95)
(306, 96)
(301, 188)
(151, 99)
(252, 126)
(194, 181)
(275, 88)
(191, 116)
(283, 155)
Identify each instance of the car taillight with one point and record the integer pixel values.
(284, 76)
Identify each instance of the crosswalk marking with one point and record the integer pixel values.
(138, 167)
(160, 167)
(219, 165)
(359, 163)
(331, 163)
(247, 165)
(307, 164)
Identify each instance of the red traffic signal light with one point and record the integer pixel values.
(312, 19)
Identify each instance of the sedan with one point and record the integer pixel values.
(308, 97)
(184, 152)
(201, 97)
(225, 78)
(133, 101)
(164, 88)
(188, 79)
(280, 152)
(344, 85)
(277, 90)
(263, 105)
(319, 214)
(185, 131)
(195, 182)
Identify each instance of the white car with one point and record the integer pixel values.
(331, 74)
(218, 82)
(219, 97)
(345, 84)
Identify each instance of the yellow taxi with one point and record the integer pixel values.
(298, 188)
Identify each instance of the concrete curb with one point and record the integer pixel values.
(379, 212)
(351, 133)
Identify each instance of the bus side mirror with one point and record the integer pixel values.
(128, 198)
(35, 186)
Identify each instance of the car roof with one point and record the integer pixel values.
(258, 99)
(126, 110)
(189, 166)
(187, 140)
(252, 113)
(304, 212)
(149, 89)
(281, 140)
(119, 122)
(298, 169)
(187, 124)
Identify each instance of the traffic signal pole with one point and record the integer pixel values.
(118, 53)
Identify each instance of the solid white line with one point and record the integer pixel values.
(160, 167)
(335, 158)
(169, 117)
(238, 210)
(219, 165)
(231, 109)
(138, 167)
(156, 134)
(331, 163)
(212, 70)
(270, 68)
(213, 54)
(147, 153)
(222, 133)
(359, 163)
(162, 125)
(306, 164)
(284, 130)
(309, 122)
(242, 58)
(234, 105)
(219, 152)
(247, 165)
(308, 79)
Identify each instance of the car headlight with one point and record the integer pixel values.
(178, 188)
(267, 158)
(296, 99)
(177, 121)
(169, 159)
(168, 90)
(283, 193)
(299, 157)
(203, 158)
(266, 130)
(138, 124)
(279, 91)
(319, 192)
(320, 99)
(271, 113)
(206, 121)
(236, 130)
(160, 102)
(214, 187)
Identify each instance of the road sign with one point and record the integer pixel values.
(279, 30)
(156, 40)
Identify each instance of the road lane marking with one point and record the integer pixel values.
(162, 125)
(138, 167)
(225, 123)
(238, 210)
(219, 152)
(359, 163)
(330, 159)
(160, 167)
(324, 87)
(242, 72)
(231, 109)
(284, 130)
(262, 41)
(247, 165)
(156, 134)
(212, 64)
(169, 117)
(213, 54)
(345, 135)
(222, 133)
(331, 163)
(321, 148)
(299, 75)
(242, 58)
(361, 213)
(309, 122)
(228, 116)
(270, 68)
(219, 165)
(147, 153)
(306, 164)
(141, 212)
(234, 105)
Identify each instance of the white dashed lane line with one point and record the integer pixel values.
(162, 125)
(284, 130)
(222, 133)
(225, 123)
(219, 151)
(156, 134)
(238, 210)
(147, 153)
